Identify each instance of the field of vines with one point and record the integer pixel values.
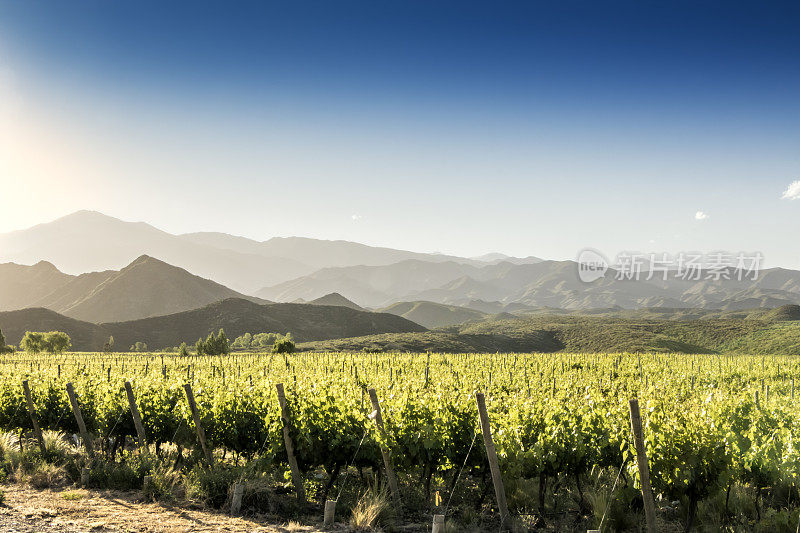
(721, 433)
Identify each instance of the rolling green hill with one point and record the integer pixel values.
(85, 336)
(235, 315)
(549, 333)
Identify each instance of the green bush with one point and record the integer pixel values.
(284, 345)
(127, 475)
(164, 482)
(211, 485)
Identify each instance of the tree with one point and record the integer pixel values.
(3, 347)
(51, 342)
(57, 342)
(139, 347)
(109, 345)
(32, 342)
(222, 345)
(214, 345)
(264, 340)
(242, 342)
(183, 351)
(284, 345)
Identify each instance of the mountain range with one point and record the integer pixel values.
(98, 269)
(147, 287)
(236, 316)
(512, 287)
(88, 241)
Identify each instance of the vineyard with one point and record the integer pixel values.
(720, 433)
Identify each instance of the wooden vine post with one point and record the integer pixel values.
(644, 469)
(236, 500)
(137, 418)
(37, 431)
(438, 524)
(201, 434)
(297, 476)
(329, 515)
(494, 466)
(387, 457)
(76, 410)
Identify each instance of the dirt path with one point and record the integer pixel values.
(29, 510)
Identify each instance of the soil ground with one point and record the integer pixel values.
(78, 510)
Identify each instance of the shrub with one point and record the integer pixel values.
(284, 345)
(211, 485)
(59, 449)
(128, 475)
(47, 475)
(164, 482)
(9, 449)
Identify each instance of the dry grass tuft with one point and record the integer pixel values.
(47, 475)
(372, 508)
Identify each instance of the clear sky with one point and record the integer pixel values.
(529, 128)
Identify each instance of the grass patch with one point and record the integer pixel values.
(588, 334)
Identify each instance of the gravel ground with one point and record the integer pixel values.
(13, 521)
(73, 510)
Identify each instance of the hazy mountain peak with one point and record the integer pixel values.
(492, 256)
(336, 299)
(145, 259)
(45, 265)
(88, 216)
(85, 213)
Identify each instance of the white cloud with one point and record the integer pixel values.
(700, 215)
(356, 218)
(793, 191)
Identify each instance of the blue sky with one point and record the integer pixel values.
(530, 128)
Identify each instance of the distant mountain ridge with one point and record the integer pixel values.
(509, 287)
(87, 241)
(299, 269)
(317, 253)
(21, 285)
(147, 287)
(433, 315)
